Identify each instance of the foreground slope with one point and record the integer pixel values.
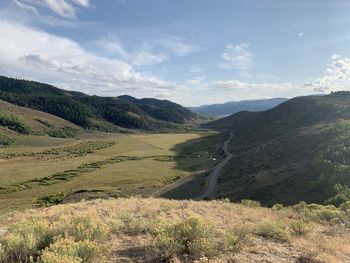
(94, 112)
(297, 151)
(158, 230)
(232, 107)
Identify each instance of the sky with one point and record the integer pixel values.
(193, 52)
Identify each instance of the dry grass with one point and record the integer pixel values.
(139, 228)
(144, 177)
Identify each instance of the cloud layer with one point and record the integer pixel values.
(61, 61)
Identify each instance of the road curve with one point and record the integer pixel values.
(213, 178)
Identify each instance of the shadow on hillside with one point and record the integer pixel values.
(197, 156)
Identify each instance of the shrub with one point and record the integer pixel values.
(272, 230)
(25, 239)
(345, 207)
(235, 238)
(140, 225)
(70, 251)
(300, 227)
(2, 254)
(83, 227)
(65, 132)
(6, 140)
(13, 122)
(193, 237)
(278, 207)
(328, 213)
(250, 203)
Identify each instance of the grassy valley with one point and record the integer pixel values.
(68, 180)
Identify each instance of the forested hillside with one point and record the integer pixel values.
(296, 151)
(94, 112)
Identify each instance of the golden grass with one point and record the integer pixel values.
(133, 220)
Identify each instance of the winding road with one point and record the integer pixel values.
(213, 178)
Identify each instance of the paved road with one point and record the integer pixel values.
(213, 179)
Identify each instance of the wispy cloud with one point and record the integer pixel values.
(243, 86)
(148, 52)
(137, 58)
(237, 57)
(63, 8)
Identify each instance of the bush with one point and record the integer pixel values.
(193, 237)
(6, 140)
(235, 238)
(140, 225)
(13, 122)
(272, 230)
(300, 227)
(2, 254)
(250, 203)
(69, 251)
(328, 214)
(278, 207)
(25, 240)
(83, 227)
(66, 132)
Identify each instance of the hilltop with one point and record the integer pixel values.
(159, 230)
(95, 112)
(232, 107)
(297, 151)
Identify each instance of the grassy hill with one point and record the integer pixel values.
(232, 107)
(17, 122)
(94, 112)
(159, 230)
(297, 151)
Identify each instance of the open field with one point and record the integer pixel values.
(48, 170)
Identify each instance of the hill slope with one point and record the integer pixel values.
(232, 107)
(16, 121)
(296, 151)
(158, 230)
(94, 112)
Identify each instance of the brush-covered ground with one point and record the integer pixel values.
(160, 230)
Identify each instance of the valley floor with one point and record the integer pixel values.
(44, 171)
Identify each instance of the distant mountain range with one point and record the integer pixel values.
(297, 151)
(95, 112)
(232, 107)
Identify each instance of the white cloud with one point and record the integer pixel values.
(149, 52)
(244, 86)
(138, 58)
(59, 60)
(237, 57)
(301, 34)
(196, 81)
(336, 74)
(64, 8)
(176, 45)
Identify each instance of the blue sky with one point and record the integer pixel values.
(190, 51)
